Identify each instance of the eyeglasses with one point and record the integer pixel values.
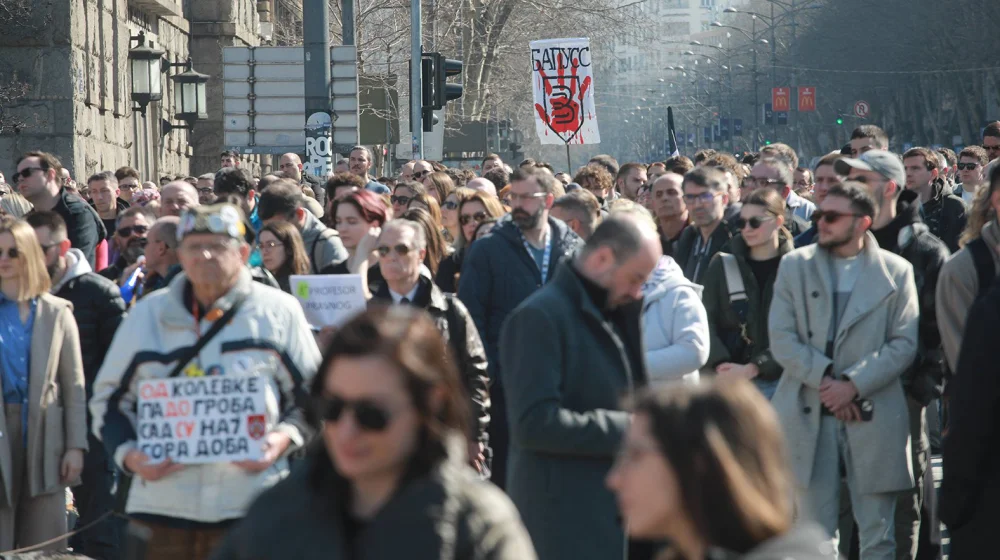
(206, 190)
(478, 217)
(703, 198)
(367, 414)
(449, 205)
(128, 230)
(400, 200)
(12, 253)
(401, 250)
(130, 186)
(26, 172)
(967, 166)
(754, 222)
(270, 245)
(515, 197)
(831, 216)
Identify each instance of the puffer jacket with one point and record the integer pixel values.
(459, 330)
(445, 513)
(732, 339)
(97, 307)
(268, 337)
(674, 324)
(323, 244)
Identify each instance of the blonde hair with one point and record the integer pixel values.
(33, 278)
(981, 210)
(15, 205)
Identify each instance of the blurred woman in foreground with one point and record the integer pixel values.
(704, 467)
(388, 478)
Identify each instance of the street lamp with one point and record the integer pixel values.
(145, 61)
(190, 98)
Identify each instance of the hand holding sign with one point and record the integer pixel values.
(275, 445)
(139, 463)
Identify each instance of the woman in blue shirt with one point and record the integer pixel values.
(43, 423)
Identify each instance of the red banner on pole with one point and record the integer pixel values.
(780, 99)
(807, 98)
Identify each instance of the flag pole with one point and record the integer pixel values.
(569, 162)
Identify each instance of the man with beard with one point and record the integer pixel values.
(899, 229)
(130, 242)
(360, 164)
(569, 354)
(844, 325)
(631, 177)
(706, 195)
(502, 269)
(98, 309)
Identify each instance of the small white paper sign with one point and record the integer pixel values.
(212, 419)
(329, 299)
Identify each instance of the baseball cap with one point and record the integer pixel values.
(221, 219)
(886, 164)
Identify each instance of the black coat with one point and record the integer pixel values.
(945, 215)
(84, 227)
(685, 248)
(98, 309)
(459, 330)
(970, 491)
(447, 513)
(567, 368)
(497, 275)
(318, 187)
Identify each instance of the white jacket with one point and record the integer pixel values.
(268, 337)
(675, 325)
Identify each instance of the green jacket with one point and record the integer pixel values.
(731, 339)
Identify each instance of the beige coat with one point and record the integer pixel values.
(957, 288)
(57, 403)
(875, 343)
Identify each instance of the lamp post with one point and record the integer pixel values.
(190, 98)
(148, 66)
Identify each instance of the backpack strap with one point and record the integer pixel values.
(982, 258)
(734, 280)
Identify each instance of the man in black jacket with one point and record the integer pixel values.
(98, 309)
(943, 212)
(706, 194)
(291, 166)
(505, 267)
(401, 247)
(898, 228)
(38, 179)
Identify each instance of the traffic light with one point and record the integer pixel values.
(435, 70)
(767, 142)
(840, 120)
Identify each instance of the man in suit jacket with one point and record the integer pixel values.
(841, 400)
(569, 354)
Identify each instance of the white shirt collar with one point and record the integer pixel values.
(410, 296)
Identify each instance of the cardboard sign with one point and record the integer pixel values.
(210, 419)
(329, 299)
(562, 77)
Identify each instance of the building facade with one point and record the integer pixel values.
(66, 68)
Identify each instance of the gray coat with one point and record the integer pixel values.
(322, 244)
(875, 343)
(567, 368)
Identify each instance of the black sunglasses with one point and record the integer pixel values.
(754, 222)
(478, 217)
(830, 216)
(992, 148)
(401, 250)
(127, 230)
(26, 172)
(421, 174)
(12, 253)
(401, 200)
(367, 414)
(966, 166)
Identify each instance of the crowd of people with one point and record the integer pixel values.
(712, 357)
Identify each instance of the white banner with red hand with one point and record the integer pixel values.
(562, 77)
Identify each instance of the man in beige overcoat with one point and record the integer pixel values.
(843, 324)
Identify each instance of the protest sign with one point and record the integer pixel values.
(562, 77)
(210, 419)
(329, 299)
